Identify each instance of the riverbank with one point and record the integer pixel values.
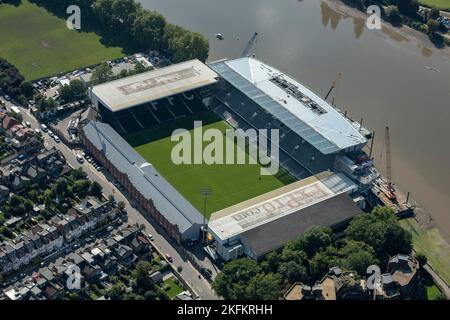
(427, 238)
(401, 32)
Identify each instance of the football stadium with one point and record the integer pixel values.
(132, 138)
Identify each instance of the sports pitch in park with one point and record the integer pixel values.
(440, 4)
(39, 44)
(231, 184)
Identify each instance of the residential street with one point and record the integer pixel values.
(192, 277)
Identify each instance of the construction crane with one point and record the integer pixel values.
(390, 188)
(249, 46)
(333, 85)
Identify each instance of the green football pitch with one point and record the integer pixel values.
(231, 184)
(40, 45)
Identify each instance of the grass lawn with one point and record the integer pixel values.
(40, 45)
(430, 243)
(173, 288)
(231, 184)
(440, 4)
(432, 292)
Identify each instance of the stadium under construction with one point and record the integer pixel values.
(318, 146)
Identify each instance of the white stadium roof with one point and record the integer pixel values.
(292, 103)
(153, 85)
(276, 204)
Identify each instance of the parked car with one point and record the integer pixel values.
(28, 124)
(50, 133)
(151, 237)
(44, 127)
(80, 158)
(56, 138)
(169, 258)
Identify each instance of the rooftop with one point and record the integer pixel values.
(149, 182)
(276, 204)
(292, 103)
(153, 85)
(329, 212)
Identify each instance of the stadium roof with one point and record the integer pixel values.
(274, 205)
(153, 85)
(144, 177)
(327, 213)
(292, 103)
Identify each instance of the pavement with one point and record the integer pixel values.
(162, 242)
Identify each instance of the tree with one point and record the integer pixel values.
(263, 287)
(393, 15)
(96, 189)
(434, 13)
(357, 256)
(271, 262)
(408, 7)
(139, 68)
(10, 78)
(61, 187)
(43, 104)
(382, 231)
(421, 258)
(234, 279)
(323, 261)
(294, 272)
(27, 89)
(78, 174)
(102, 73)
(184, 44)
(81, 187)
(433, 27)
(116, 291)
(121, 206)
(148, 29)
(74, 91)
(141, 276)
(314, 239)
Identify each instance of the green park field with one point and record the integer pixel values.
(440, 4)
(231, 184)
(39, 44)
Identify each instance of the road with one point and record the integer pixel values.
(190, 275)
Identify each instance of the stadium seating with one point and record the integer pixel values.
(150, 115)
(230, 110)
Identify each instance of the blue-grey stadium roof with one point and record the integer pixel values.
(292, 103)
(146, 179)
